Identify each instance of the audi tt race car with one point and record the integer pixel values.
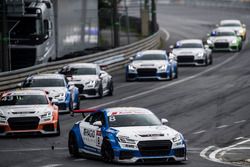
(126, 135)
(89, 78)
(64, 93)
(151, 64)
(28, 111)
(223, 39)
(236, 26)
(192, 52)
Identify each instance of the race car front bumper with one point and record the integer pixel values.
(132, 156)
(190, 60)
(224, 47)
(17, 128)
(147, 74)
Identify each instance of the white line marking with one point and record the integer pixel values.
(52, 165)
(166, 32)
(171, 84)
(222, 151)
(77, 160)
(34, 149)
(199, 132)
(222, 126)
(238, 138)
(238, 122)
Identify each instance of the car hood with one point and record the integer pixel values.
(148, 64)
(147, 132)
(27, 110)
(53, 91)
(222, 39)
(187, 51)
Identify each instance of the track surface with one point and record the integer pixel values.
(209, 105)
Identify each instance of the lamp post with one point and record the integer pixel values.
(115, 24)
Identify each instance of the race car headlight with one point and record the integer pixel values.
(131, 68)
(176, 138)
(241, 31)
(209, 42)
(60, 96)
(125, 139)
(200, 55)
(2, 119)
(47, 116)
(163, 67)
(234, 41)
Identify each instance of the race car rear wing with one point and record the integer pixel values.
(83, 111)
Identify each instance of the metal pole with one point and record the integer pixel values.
(154, 19)
(116, 25)
(127, 20)
(4, 48)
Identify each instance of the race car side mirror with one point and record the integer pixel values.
(171, 47)
(244, 25)
(54, 101)
(164, 121)
(97, 123)
(131, 58)
(206, 46)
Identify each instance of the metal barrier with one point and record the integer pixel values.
(112, 59)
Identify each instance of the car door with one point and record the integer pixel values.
(105, 79)
(92, 135)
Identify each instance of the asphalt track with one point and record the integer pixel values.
(209, 105)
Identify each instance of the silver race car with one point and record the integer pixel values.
(192, 52)
(89, 78)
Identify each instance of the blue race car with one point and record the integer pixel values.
(64, 94)
(152, 64)
(126, 135)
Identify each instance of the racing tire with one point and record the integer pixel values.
(100, 91)
(240, 47)
(206, 61)
(78, 103)
(107, 151)
(72, 145)
(111, 88)
(176, 74)
(58, 130)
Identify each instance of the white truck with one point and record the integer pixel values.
(41, 31)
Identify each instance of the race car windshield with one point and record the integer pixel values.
(44, 83)
(231, 25)
(189, 45)
(151, 57)
(224, 34)
(23, 100)
(82, 71)
(133, 120)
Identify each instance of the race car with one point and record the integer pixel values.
(236, 26)
(223, 39)
(90, 79)
(58, 87)
(192, 52)
(126, 135)
(151, 64)
(28, 111)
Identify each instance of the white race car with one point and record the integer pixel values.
(236, 26)
(192, 52)
(127, 135)
(89, 78)
(28, 111)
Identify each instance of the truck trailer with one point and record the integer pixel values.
(41, 31)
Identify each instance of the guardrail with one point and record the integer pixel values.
(112, 60)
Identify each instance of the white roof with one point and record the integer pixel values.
(190, 41)
(152, 52)
(81, 65)
(25, 92)
(127, 111)
(223, 29)
(230, 22)
(47, 76)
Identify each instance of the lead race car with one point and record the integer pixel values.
(28, 111)
(126, 135)
(152, 64)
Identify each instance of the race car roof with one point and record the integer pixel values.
(151, 52)
(47, 76)
(127, 111)
(224, 29)
(222, 22)
(25, 92)
(81, 65)
(190, 41)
